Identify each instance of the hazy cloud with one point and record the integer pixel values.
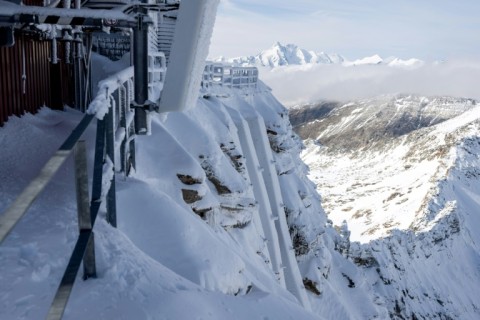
(296, 84)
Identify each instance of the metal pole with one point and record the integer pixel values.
(123, 104)
(83, 208)
(140, 65)
(87, 68)
(110, 148)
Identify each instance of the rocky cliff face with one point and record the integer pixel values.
(399, 176)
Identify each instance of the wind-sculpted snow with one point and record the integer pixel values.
(201, 220)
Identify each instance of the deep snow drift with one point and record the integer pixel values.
(187, 234)
(202, 226)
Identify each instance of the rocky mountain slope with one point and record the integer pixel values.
(400, 176)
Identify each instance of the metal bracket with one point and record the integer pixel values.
(147, 106)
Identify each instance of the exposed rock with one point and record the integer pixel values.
(188, 180)
(190, 196)
(311, 286)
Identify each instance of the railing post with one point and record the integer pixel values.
(123, 125)
(83, 208)
(110, 148)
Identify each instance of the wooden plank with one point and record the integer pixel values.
(28, 72)
(15, 83)
(40, 79)
(41, 66)
(8, 82)
(46, 64)
(33, 86)
(3, 104)
(20, 41)
(56, 85)
(12, 80)
(31, 81)
(36, 80)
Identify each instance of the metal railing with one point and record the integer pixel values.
(114, 144)
(218, 74)
(114, 153)
(112, 103)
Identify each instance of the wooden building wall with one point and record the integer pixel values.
(44, 84)
(38, 3)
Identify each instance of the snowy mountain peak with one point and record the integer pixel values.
(284, 55)
(279, 55)
(375, 59)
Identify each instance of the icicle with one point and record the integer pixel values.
(54, 58)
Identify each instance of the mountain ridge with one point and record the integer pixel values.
(405, 198)
(279, 55)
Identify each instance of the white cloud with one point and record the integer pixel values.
(294, 84)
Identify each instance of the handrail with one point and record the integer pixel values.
(218, 74)
(115, 139)
(115, 134)
(121, 82)
(19, 207)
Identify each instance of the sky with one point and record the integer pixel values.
(424, 29)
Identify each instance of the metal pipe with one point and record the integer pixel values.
(110, 153)
(140, 65)
(83, 207)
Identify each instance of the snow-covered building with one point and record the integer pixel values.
(45, 47)
(31, 77)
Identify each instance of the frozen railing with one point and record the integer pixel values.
(114, 99)
(217, 74)
(157, 68)
(114, 153)
(112, 104)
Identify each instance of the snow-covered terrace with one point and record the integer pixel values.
(114, 106)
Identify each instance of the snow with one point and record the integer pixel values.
(225, 264)
(375, 59)
(102, 101)
(295, 80)
(410, 202)
(281, 56)
(220, 220)
(410, 63)
(161, 258)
